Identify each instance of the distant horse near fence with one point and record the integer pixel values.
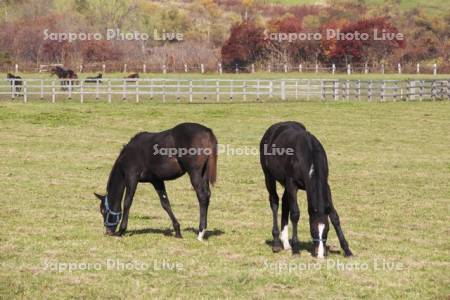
(95, 79)
(64, 74)
(16, 83)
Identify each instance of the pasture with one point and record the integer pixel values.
(389, 175)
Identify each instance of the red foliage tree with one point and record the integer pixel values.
(245, 46)
(360, 49)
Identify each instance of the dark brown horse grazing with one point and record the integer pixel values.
(295, 158)
(95, 79)
(16, 83)
(156, 157)
(68, 74)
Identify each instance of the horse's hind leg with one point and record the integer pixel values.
(201, 185)
(274, 203)
(285, 221)
(161, 190)
(291, 195)
(334, 217)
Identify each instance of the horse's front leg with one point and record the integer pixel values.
(129, 195)
(165, 203)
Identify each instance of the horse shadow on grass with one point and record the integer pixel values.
(208, 233)
(170, 232)
(308, 246)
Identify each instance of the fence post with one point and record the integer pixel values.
(257, 90)
(317, 68)
(396, 91)
(322, 90)
(104, 68)
(220, 69)
(383, 89)
(190, 90)
(81, 68)
(237, 69)
(347, 89)
(25, 91)
(42, 89)
(283, 90)
(144, 68)
(358, 90)
(369, 90)
(151, 89)
(124, 89)
(70, 88)
(285, 68)
(399, 66)
(13, 89)
(366, 69)
(231, 89)
(253, 68)
(435, 69)
(244, 90)
(202, 68)
(418, 69)
(109, 90)
(185, 68)
(296, 90)
(271, 89)
(97, 92)
(333, 68)
(164, 69)
(16, 68)
(81, 92)
(125, 68)
(164, 90)
(300, 68)
(217, 91)
(336, 90)
(53, 92)
(349, 69)
(269, 69)
(382, 68)
(137, 91)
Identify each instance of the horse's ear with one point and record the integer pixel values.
(100, 197)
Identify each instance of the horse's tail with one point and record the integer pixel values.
(212, 161)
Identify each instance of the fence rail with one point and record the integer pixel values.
(220, 90)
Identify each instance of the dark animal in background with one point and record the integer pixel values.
(295, 158)
(62, 73)
(145, 159)
(132, 76)
(16, 83)
(95, 79)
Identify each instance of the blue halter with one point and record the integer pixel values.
(115, 216)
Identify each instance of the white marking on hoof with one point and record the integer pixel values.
(285, 238)
(321, 250)
(200, 235)
(311, 171)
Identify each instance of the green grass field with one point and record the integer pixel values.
(432, 6)
(389, 174)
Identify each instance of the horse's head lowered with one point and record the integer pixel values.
(110, 218)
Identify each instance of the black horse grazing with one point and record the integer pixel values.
(155, 157)
(16, 83)
(65, 74)
(95, 79)
(295, 158)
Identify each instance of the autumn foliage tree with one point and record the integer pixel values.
(245, 46)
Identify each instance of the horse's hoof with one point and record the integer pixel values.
(348, 253)
(295, 250)
(178, 236)
(277, 248)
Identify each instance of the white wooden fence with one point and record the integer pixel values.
(219, 90)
